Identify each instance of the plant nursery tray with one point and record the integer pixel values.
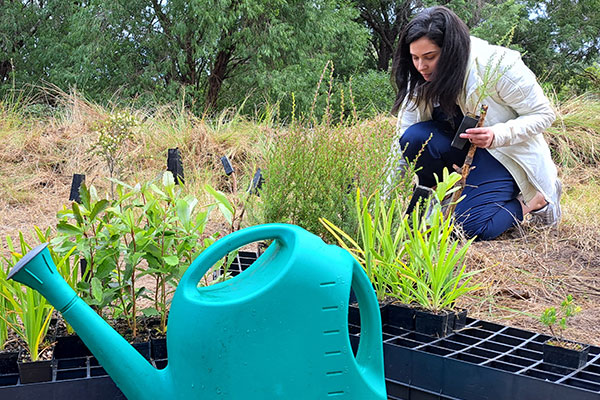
(481, 361)
(72, 378)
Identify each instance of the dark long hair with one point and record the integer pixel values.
(451, 34)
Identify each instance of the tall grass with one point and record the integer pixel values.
(575, 135)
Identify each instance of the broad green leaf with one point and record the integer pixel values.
(69, 229)
(171, 260)
(96, 289)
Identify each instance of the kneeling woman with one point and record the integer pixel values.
(439, 69)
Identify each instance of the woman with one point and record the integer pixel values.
(439, 69)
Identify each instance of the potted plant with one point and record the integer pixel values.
(558, 350)
(413, 259)
(8, 357)
(27, 314)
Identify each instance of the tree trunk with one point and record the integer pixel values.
(384, 56)
(217, 76)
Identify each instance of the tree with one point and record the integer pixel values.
(204, 44)
(563, 39)
(385, 20)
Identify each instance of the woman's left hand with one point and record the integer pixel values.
(480, 137)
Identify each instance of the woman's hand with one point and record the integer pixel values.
(481, 137)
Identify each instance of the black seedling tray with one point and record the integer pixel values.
(242, 261)
(72, 378)
(482, 361)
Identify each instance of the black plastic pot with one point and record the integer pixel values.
(401, 315)
(143, 348)
(8, 362)
(460, 319)
(570, 358)
(158, 348)
(35, 371)
(433, 324)
(70, 347)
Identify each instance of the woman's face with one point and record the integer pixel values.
(425, 55)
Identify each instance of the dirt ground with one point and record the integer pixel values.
(524, 271)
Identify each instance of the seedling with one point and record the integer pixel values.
(556, 321)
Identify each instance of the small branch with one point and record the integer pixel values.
(466, 168)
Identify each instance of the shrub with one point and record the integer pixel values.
(313, 172)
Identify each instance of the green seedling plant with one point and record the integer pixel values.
(177, 229)
(4, 310)
(434, 260)
(28, 313)
(379, 243)
(151, 228)
(87, 227)
(557, 320)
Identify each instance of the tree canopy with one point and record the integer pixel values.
(226, 52)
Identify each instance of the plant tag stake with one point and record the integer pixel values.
(256, 183)
(469, 121)
(175, 165)
(78, 179)
(420, 194)
(226, 165)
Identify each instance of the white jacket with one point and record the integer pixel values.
(518, 113)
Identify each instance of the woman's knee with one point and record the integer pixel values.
(415, 136)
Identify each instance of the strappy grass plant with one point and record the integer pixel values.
(3, 311)
(380, 242)
(434, 256)
(28, 313)
(414, 259)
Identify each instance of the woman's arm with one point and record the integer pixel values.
(518, 89)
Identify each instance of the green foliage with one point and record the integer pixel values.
(556, 321)
(218, 52)
(113, 132)
(412, 258)
(259, 52)
(575, 135)
(312, 172)
(27, 312)
(372, 93)
(562, 39)
(379, 243)
(4, 310)
(149, 229)
(435, 257)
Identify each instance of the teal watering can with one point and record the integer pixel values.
(279, 330)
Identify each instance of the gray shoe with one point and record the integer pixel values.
(550, 214)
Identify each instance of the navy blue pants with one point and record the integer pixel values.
(490, 205)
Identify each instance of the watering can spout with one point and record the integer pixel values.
(132, 373)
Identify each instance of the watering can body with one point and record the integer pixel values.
(279, 330)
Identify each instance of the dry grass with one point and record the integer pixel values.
(529, 269)
(526, 270)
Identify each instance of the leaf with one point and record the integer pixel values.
(96, 289)
(171, 260)
(77, 213)
(223, 203)
(68, 229)
(149, 312)
(168, 181)
(98, 208)
(184, 212)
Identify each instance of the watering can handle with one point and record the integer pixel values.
(284, 233)
(369, 355)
